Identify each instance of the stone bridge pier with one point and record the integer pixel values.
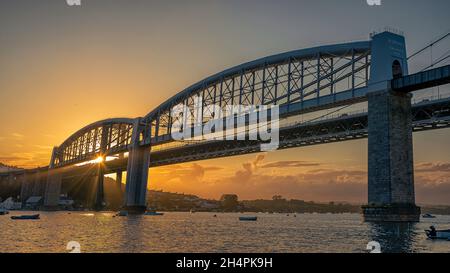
(391, 170)
(390, 147)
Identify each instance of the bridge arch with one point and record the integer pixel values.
(104, 137)
(296, 81)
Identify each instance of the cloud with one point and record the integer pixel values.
(11, 158)
(299, 180)
(334, 175)
(190, 173)
(289, 164)
(24, 160)
(432, 167)
(49, 135)
(255, 180)
(43, 147)
(433, 189)
(17, 135)
(259, 158)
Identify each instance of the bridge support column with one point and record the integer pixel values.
(137, 172)
(52, 190)
(390, 156)
(26, 187)
(119, 177)
(99, 179)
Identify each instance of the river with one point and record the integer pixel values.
(202, 232)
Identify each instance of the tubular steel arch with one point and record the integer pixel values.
(297, 81)
(105, 137)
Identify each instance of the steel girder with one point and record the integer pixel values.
(302, 78)
(101, 138)
(428, 115)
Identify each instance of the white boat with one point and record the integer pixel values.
(440, 234)
(153, 213)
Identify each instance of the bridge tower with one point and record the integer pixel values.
(390, 149)
(137, 170)
(53, 186)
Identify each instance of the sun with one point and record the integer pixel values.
(99, 159)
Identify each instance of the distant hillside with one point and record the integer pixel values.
(5, 168)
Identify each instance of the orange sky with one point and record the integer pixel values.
(62, 68)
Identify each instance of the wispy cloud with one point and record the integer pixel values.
(297, 179)
(432, 167)
(7, 159)
(49, 135)
(43, 147)
(17, 135)
(290, 164)
(24, 160)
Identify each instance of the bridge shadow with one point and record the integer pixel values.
(394, 237)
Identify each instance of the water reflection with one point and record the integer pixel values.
(133, 236)
(394, 237)
(201, 232)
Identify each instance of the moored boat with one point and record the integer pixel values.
(427, 215)
(122, 213)
(248, 218)
(26, 217)
(153, 213)
(4, 212)
(440, 234)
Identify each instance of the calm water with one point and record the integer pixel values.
(201, 232)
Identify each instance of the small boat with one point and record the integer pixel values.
(427, 215)
(153, 213)
(248, 218)
(3, 212)
(440, 234)
(122, 213)
(26, 217)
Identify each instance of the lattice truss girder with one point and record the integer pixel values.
(291, 80)
(432, 116)
(308, 134)
(102, 140)
(425, 117)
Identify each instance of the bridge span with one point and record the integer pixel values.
(298, 82)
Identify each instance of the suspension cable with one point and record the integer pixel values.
(435, 63)
(429, 45)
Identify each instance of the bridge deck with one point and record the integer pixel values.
(427, 115)
(422, 80)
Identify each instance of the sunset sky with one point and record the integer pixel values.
(64, 67)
